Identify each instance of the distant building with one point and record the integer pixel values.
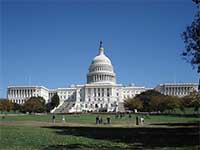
(177, 89)
(100, 93)
(19, 94)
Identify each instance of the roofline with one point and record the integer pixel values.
(32, 86)
(177, 84)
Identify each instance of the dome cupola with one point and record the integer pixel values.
(101, 69)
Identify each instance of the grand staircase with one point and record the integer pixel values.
(65, 107)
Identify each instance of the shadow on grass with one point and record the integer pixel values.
(82, 147)
(192, 124)
(134, 137)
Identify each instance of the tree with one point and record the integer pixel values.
(5, 105)
(55, 100)
(16, 107)
(192, 100)
(34, 104)
(152, 100)
(194, 97)
(157, 103)
(146, 97)
(171, 102)
(191, 37)
(134, 103)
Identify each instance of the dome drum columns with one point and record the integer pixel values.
(101, 78)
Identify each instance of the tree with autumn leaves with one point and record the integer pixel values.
(152, 101)
(34, 105)
(5, 105)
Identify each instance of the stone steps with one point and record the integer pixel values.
(65, 107)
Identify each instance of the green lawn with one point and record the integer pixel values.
(39, 138)
(93, 137)
(186, 111)
(26, 137)
(90, 118)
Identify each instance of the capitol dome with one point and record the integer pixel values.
(101, 69)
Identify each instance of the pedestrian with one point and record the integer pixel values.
(53, 119)
(100, 120)
(63, 119)
(129, 115)
(120, 115)
(142, 121)
(3, 117)
(137, 120)
(97, 119)
(108, 120)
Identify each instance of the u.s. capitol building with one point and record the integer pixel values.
(100, 93)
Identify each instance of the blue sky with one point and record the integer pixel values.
(52, 42)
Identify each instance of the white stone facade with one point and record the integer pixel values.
(19, 94)
(177, 89)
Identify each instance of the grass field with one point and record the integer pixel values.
(90, 118)
(36, 132)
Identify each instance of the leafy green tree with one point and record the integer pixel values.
(55, 100)
(191, 37)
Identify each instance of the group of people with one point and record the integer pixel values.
(99, 120)
(54, 119)
(141, 120)
(122, 115)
